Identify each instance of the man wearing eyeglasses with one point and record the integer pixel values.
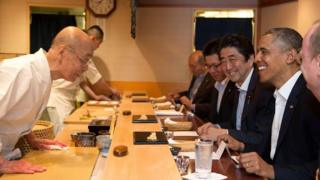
(63, 95)
(218, 110)
(25, 87)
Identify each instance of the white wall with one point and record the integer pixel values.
(282, 15)
(308, 13)
(13, 27)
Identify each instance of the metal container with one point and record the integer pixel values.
(85, 139)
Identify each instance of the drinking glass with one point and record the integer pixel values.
(203, 158)
(103, 143)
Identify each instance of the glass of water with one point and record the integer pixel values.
(203, 158)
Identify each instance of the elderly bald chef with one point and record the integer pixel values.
(25, 84)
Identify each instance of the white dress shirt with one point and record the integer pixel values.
(281, 95)
(242, 98)
(220, 86)
(25, 84)
(63, 94)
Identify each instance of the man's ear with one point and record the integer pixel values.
(60, 51)
(93, 38)
(251, 59)
(293, 57)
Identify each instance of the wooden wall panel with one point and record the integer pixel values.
(152, 88)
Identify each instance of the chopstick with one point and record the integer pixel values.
(234, 161)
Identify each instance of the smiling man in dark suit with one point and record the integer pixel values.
(218, 110)
(237, 55)
(290, 147)
(201, 85)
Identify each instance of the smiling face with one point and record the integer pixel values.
(215, 67)
(235, 65)
(311, 65)
(271, 61)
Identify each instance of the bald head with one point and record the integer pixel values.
(197, 63)
(71, 37)
(311, 58)
(196, 57)
(69, 53)
(313, 36)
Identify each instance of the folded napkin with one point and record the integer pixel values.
(158, 99)
(185, 145)
(177, 126)
(169, 121)
(168, 113)
(164, 106)
(213, 176)
(185, 133)
(57, 147)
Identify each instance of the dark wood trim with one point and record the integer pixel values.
(195, 4)
(264, 3)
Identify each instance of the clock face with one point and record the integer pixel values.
(101, 7)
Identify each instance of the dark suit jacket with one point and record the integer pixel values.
(256, 103)
(208, 112)
(296, 155)
(204, 92)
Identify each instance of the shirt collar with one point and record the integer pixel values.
(287, 87)
(245, 84)
(221, 84)
(202, 75)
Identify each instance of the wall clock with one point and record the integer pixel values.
(101, 7)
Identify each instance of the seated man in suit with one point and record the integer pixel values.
(201, 85)
(237, 55)
(311, 60)
(289, 149)
(218, 110)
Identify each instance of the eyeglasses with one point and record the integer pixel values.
(213, 66)
(83, 61)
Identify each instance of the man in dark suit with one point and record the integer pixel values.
(237, 55)
(310, 64)
(289, 149)
(218, 110)
(201, 85)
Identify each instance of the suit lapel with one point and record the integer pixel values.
(215, 95)
(293, 99)
(203, 85)
(190, 86)
(228, 92)
(250, 95)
